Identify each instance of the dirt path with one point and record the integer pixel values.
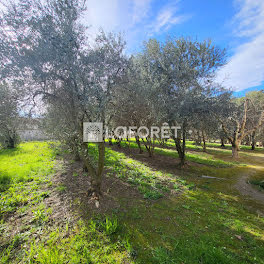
(167, 164)
(246, 189)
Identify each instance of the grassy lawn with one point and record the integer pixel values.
(210, 223)
(198, 157)
(177, 218)
(30, 231)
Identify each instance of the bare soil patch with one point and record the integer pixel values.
(246, 189)
(116, 194)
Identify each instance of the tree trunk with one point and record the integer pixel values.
(222, 143)
(77, 156)
(247, 141)
(235, 149)
(139, 145)
(204, 142)
(128, 142)
(76, 152)
(198, 139)
(181, 147)
(97, 182)
(11, 143)
(162, 142)
(149, 147)
(96, 175)
(119, 142)
(253, 141)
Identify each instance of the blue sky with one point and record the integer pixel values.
(237, 25)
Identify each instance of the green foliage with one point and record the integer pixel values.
(259, 183)
(75, 174)
(9, 118)
(110, 225)
(150, 194)
(61, 188)
(5, 180)
(189, 251)
(87, 244)
(41, 215)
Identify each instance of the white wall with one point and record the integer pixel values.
(32, 135)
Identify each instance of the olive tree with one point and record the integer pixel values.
(239, 124)
(135, 104)
(206, 115)
(256, 99)
(183, 68)
(9, 117)
(48, 52)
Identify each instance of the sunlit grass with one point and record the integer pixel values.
(38, 238)
(204, 225)
(27, 161)
(200, 157)
(151, 183)
(196, 225)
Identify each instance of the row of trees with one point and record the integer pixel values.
(46, 54)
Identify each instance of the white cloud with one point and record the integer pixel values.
(102, 13)
(166, 18)
(250, 18)
(115, 15)
(140, 10)
(137, 19)
(246, 67)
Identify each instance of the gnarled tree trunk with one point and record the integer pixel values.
(253, 141)
(198, 139)
(181, 147)
(139, 145)
(149, 145)
(235, 149)
(222, 142)
(95, 174)
(204, 141)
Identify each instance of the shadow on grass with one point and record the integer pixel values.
(195, 227)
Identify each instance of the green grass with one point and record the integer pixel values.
(151, 183)
(193, 225)
(198, 227)
(192, 145)
(23, 170)
(200, 157)
(61, 188)
(26, 162)
(199, 251)
(86, 242)
(38, 237)
(204, 225)
(211, 147)
(259, 183)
